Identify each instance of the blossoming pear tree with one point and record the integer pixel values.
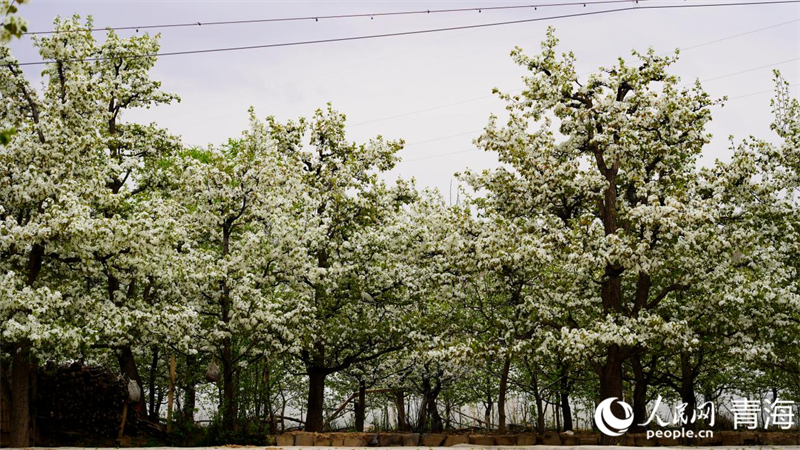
(439, 350)
(758, 192)
(614, 192)
(505, 267)
(50, 177)
(80, 227)
(133, 223)
(352, 283)
(240, 238)
(786, 328)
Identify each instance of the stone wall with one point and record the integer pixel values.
(728, 438)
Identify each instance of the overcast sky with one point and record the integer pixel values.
(400, 87)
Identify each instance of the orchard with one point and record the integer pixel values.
(285, 279)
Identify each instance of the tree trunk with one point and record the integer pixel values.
(267, 376)
(21, 362)
(152, 412)
(127, 365)
(610, 373)
(316, 398)
(611, 386)
(501, 396)
(32, 396)
(189, 403)
(427, 408)
(566, 411)
(228, 383)
(228, 387)
(537, 395)
(487, 415)
(283, 410)
(437, 425)
(361, 406)
(423, 405)
(539, 413)
(399, 401)
(5, 378)
(639, 396)
(20, 398)
(189, 391)
(687, 389)
(557, 414)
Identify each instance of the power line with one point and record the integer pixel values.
(363, 62)
(443, 138)
(475, 131)
(739, 35)
(749, 70)
(433, 108)
(417, 32)
(484, 97)
(759, 92)
(335, 16)
(447, 105)
(440, 155)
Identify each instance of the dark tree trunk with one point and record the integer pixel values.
(556, 414)
(21, 370)
(316, 398)
(537, 395)
(539, 413)
(152, 411)
(639, 396)
(399, 401)
(159, 400)
(611, 386)
(687, 389)
(437, 425)
(566, 411)
(361, 406)
(270, 407)
(21, 362)
(487, 415)
(32, 396)
(501, 396)
(228, 387)
(423, 405)
(610, 372)
(189, 391)
(189, 403)
(229, 397)
(127, 365)
(427, 408)
(5, 377)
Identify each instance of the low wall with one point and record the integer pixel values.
(304, 439)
